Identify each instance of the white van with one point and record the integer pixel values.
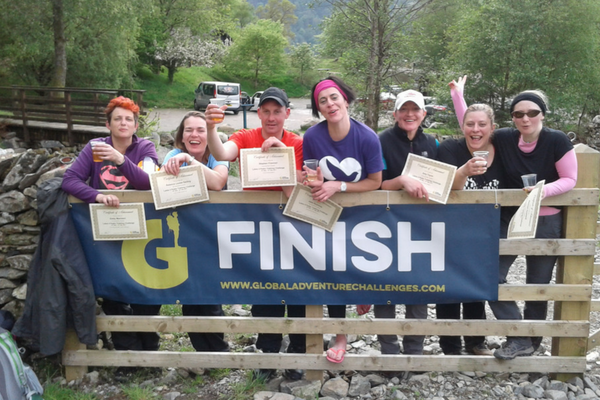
(230, 92)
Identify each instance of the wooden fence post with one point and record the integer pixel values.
(314, 343)
(579, 223)
(71, 344)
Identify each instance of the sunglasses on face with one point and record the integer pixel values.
(530, 114)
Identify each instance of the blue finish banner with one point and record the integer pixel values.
(253, 254)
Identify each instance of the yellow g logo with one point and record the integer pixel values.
(132, 254)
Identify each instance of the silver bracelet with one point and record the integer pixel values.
(192, 158)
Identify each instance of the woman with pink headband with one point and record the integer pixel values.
(349, 160)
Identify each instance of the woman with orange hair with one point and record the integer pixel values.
(111, 163)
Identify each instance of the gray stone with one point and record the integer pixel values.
(265, 395)
(20, 293)
(5, 165)
(170, 378)
(555, 395)
(53, 173)
(50, 144)
(92, 377)
(302, 389)
(10, 273)
(19, 239)
(587, 382)
(15, 307)
(171, 395)
(6, 218)
(13, 202)
(359, 385)
(30, 249)
(533, 391)
(398, 395)
(576, 381)
(336, 388)
(378, 391)
(375, 379)
(30, 192)
(309, 123)
(32, 229)
(28, 163)
(423, 379)
(558, 385)
(6, 296)
(228, 130)
(166, 139)
(11, 229)
(7, 284)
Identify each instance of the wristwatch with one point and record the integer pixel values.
(343, 187)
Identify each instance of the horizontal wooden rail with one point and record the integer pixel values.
(506, 197)
(318, 362)
(362, 326)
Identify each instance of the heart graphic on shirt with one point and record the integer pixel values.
(348, 170)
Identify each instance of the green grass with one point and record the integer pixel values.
(245, 390)
(180, 94)
(57, 392)
(134, 392)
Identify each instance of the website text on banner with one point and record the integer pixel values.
(252, 254)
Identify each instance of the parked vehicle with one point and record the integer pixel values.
(246, 98)
(436, 112)
(255, 99)
(230, 92)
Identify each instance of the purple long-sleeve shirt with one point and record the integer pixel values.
(85, 176)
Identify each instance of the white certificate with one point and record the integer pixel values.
(187, 188)
(126, 222)
(275, 167)
(436, 176)
(302, 206)
(524, 223)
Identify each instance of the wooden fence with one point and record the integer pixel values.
(69, 106)
(569, 329)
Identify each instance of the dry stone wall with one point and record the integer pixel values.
(21, 173)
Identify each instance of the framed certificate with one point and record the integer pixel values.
(275, 167)
(126, 222)
(186, 188)
(302, 206)
(523, 224)
(436, 176)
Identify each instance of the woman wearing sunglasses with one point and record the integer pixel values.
(532, 148)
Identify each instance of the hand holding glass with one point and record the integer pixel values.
(95, 147)
(482, 154)
(311, 172)
(529, 180)
(219, 102)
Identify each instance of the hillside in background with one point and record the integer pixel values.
(307, 26)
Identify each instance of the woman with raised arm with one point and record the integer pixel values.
(349, 160)
(474, 172)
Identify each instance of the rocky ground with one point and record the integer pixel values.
(181, 384)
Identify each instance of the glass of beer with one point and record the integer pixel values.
(96, 146)
(311, 173)
(218, 102)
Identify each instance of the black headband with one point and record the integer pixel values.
(530, 97)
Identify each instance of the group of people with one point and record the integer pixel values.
(370, 162)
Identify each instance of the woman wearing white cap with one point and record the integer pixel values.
(397, 142)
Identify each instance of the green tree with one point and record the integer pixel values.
(67, 42)
(302, 58)
(281, 11)
(367, 36)
(509, 46)
(258, 52)
(243, 12)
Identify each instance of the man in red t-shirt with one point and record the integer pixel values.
(273, 110)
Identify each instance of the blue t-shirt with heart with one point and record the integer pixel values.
(350, 159)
